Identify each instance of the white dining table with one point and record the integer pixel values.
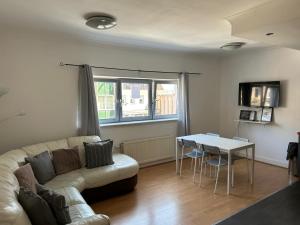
(225, 145)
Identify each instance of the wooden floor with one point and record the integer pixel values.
(162, 198)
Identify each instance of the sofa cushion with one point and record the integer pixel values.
(26, 177)
(98, 219)
(66, 160)
(57, 203)
(79, 211)
(42, 167)
(72, 195)
(71, 179)
(78, 141)
(36, 149)
(36, 208)
(98, 153)
(124, 167)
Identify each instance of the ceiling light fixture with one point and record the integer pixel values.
(232, 45)
(101, 21)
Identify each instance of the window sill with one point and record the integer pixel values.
(137, 122)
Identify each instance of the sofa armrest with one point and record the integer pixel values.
(98, 219)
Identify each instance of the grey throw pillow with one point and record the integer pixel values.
(42, 167)
(57, 203)
(98, 153)
(36, 208)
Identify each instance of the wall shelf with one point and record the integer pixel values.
(255, 122)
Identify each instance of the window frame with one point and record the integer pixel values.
(138, 118)
(155, 83)
(152, 84)
(117, 108)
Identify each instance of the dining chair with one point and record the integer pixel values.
(195, 154)
(216, 161)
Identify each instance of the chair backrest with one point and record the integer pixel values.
(241, 139)
(188, 143)
(211, 149)
(213, 134)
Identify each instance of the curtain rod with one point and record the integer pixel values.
(126, 69)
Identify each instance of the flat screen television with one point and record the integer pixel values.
(259, 94)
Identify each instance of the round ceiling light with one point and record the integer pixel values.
(101, 22)
(233, 45)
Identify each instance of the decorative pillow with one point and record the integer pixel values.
(57, 203)
(36, 208)
(66, 160)
(98, 153)
(42, 167)
(26, 177)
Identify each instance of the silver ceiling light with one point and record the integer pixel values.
(101, 21)
(232, 45)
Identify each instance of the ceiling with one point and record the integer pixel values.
(175, 24)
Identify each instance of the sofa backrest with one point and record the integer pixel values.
(36, 149)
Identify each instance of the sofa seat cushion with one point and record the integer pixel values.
(72, 195)
(124, 167)
(80, 211)
(36, 149)
(98, 219)
(71, 179)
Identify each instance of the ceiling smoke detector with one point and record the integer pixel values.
(101, 21)
(233, 45)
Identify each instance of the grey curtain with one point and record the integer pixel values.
(184, 107)
(88, 113)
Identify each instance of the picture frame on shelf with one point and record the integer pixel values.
(267, 114)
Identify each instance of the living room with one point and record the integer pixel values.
(215, 46)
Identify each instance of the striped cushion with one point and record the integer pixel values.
(98, 153)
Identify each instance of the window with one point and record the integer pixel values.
(121, 100)
(165, 99)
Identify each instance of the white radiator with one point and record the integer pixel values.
(151, 150)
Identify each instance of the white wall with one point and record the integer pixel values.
(48, 92)
(263, 65)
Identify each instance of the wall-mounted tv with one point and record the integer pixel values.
(259, 94)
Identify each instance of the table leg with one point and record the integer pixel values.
(229, 173)
(253, 162)
(176, 156)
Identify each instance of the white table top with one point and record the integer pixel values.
(224, 144)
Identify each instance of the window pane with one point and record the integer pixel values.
(135, 99)
(106, 99)
(166, 99)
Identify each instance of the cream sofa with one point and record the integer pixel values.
(69, 184)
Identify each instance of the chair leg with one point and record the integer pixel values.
(195, 166)
(248, 169)
(201, 168)
(181, 161)
(217, 179)
(192, 161)
(232, 176)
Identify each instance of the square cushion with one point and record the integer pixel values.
(36, 208)
(98, 153)
(26, 177)
(78, 141)
(66, 160)
(57, 203)
(42, 167)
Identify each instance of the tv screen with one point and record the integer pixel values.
(259, 94)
